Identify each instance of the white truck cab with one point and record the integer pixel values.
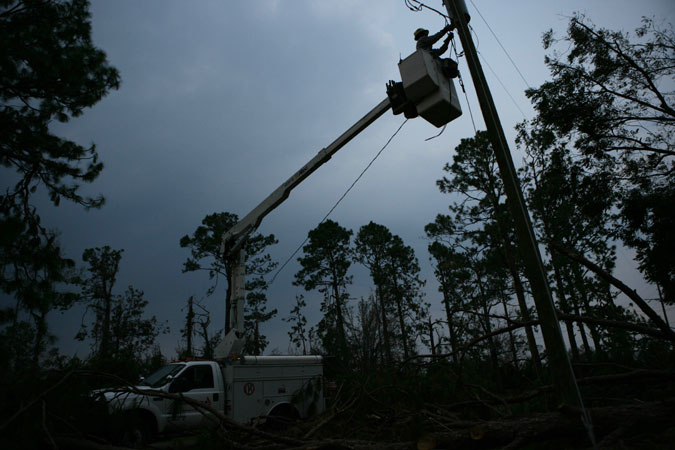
(247, 390)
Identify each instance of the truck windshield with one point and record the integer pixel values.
(159, 378)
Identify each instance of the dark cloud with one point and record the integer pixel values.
(222, 101)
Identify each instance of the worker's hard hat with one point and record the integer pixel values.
(421, 32)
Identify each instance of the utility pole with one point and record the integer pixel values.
(563, 374)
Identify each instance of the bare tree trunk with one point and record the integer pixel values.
(451, 328)
(529, 332)
(512, 341)
(494, 357)
(104, 348)
(663, 305)
(385, 330)
(340, 318)
(577, 311)
(401, 318)
(564, 306)
(189, 326)
(597, 342)
(431, 337)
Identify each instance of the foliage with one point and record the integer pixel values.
(480, 231)
(50, 71)
(119, 332)
(611, 98)
(256, 313)
(205, 255)
(607, 94)
(649, 221)
(298, 332)
(325, 264)
(394, 270)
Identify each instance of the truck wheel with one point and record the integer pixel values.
(281, 417)
(138, 431)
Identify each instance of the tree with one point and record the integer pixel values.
(189, 331)
(611, 96)
(573, 207)
(132, 334)
(481, 216)
(255, 314)
(298, 332)
(51, 71)
(454, 278)
(204, 245)
(649, 221)
(119, 331)
(370, 249)
(366, 332)
(97, 292)
(394, 270)
(326, 261)
(44, 284)
(404, 285)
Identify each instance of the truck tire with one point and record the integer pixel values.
(139, 430)
(281, 417)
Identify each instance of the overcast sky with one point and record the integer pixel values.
(222, 101)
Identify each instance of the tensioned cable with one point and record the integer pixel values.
(409, 4)
(461, 84)
(500, 44)
(339, 200)
(500, 82)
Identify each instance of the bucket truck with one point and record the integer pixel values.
(247, 388)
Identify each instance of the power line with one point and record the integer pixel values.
(410, 4)
(503, 85)
(500, 44)
(461, 84)
(339, 200)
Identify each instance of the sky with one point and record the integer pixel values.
(221, 102)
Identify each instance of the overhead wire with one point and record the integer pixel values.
(500, 82)
(500, 44)
(340, 199)
(417, 6)
(461, 84)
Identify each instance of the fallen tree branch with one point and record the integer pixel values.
(626, 377)
(85, 444)
(334, 413)
(624, 325)
(33, 402)
(540, 427)
(631, 293)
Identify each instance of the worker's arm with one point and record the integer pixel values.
(426, 43)
(435, 37)
(443, 48)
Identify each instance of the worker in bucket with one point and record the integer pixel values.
(426, 42)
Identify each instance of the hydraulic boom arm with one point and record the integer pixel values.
(424, 90)
(232, 244)
(236, 236)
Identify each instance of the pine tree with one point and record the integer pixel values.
(481, 216)
(204, 245)
(325, 264)
(298, 332)
(51, 72)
